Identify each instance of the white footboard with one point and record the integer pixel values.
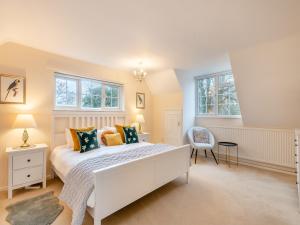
(118, 186)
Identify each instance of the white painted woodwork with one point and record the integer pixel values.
(119, 185)
(28, 160)
(26, 167)
(173, 127)
(144, 137)
(70, 119)
(26, 175)
(297, 161)
(268, 146)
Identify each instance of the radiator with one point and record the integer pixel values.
(270, 146)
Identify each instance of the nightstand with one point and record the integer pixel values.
(144, 137)
(26, 166)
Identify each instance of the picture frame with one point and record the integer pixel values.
(12, 89)
(140, 100)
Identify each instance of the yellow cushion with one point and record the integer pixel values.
(103, 139)
(75, 137)
(113, 139)
(121, 131)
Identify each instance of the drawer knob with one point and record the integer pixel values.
(28, 175)
(28, 160)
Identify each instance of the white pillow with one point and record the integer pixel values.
(69, 139)
(99, 133)
(113, 129)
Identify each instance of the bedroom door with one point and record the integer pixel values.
(173, 127)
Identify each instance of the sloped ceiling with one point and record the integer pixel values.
(267, 78)
(189, 34)
(163, 82)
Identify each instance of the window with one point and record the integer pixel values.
(86, 94)
(216, 95)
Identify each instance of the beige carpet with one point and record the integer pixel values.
(216, 195)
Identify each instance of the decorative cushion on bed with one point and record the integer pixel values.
(130, 135)
(201, 136)
(76, 144)
(88, 140)
(69, 139)
(103, 139)
(113, 139)
(121, 131)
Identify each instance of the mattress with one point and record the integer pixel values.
(63, 159)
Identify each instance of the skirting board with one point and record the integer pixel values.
(252, 163)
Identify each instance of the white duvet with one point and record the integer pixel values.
(63, 159)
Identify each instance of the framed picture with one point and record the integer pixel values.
(12, 89)
(140, 100)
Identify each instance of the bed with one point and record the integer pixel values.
(118, 185)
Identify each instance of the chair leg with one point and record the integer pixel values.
(196, 156)
(205, 153)
(214, 156)
(192, 153)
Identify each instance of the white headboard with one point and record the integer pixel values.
(64, 119)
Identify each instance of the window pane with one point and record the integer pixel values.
(91, 93)
(107, 102)
(227, 98)
(115, 91)
(206, 95)
(115, 102)
(66, 92)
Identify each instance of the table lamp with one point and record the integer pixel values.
(140, 119)
(24, 121)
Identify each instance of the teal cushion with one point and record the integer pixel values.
(130, 135)
(87, 140)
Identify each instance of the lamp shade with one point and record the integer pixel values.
(140, 118)
(24, 121)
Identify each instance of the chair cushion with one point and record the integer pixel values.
(201, 136)
(202, 146)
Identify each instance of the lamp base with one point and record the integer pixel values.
(25, 145)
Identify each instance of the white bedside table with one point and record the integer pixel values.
(26, 166)
(144, 137)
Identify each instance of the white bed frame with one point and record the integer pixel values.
(118, 186)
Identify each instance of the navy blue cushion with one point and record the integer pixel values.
(88, 140)
(130, 135)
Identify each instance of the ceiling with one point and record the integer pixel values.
(189, 34)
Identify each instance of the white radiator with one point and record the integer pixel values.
(269, 146)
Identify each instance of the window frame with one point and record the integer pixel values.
(78, 106)
(216, 96)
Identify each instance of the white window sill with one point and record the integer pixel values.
(219, 116)
(88, 110)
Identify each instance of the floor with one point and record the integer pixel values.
(215, 195)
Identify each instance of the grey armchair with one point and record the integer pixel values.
(206, 142)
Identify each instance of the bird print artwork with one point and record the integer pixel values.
(13, 87)
(140, 100)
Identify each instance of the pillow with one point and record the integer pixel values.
(76, 144)
(113, 139)
(103, 139)
(201, 136)
(109, 128)
(130, 135)
(87, 140)
(120, 130)
(69, 139)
